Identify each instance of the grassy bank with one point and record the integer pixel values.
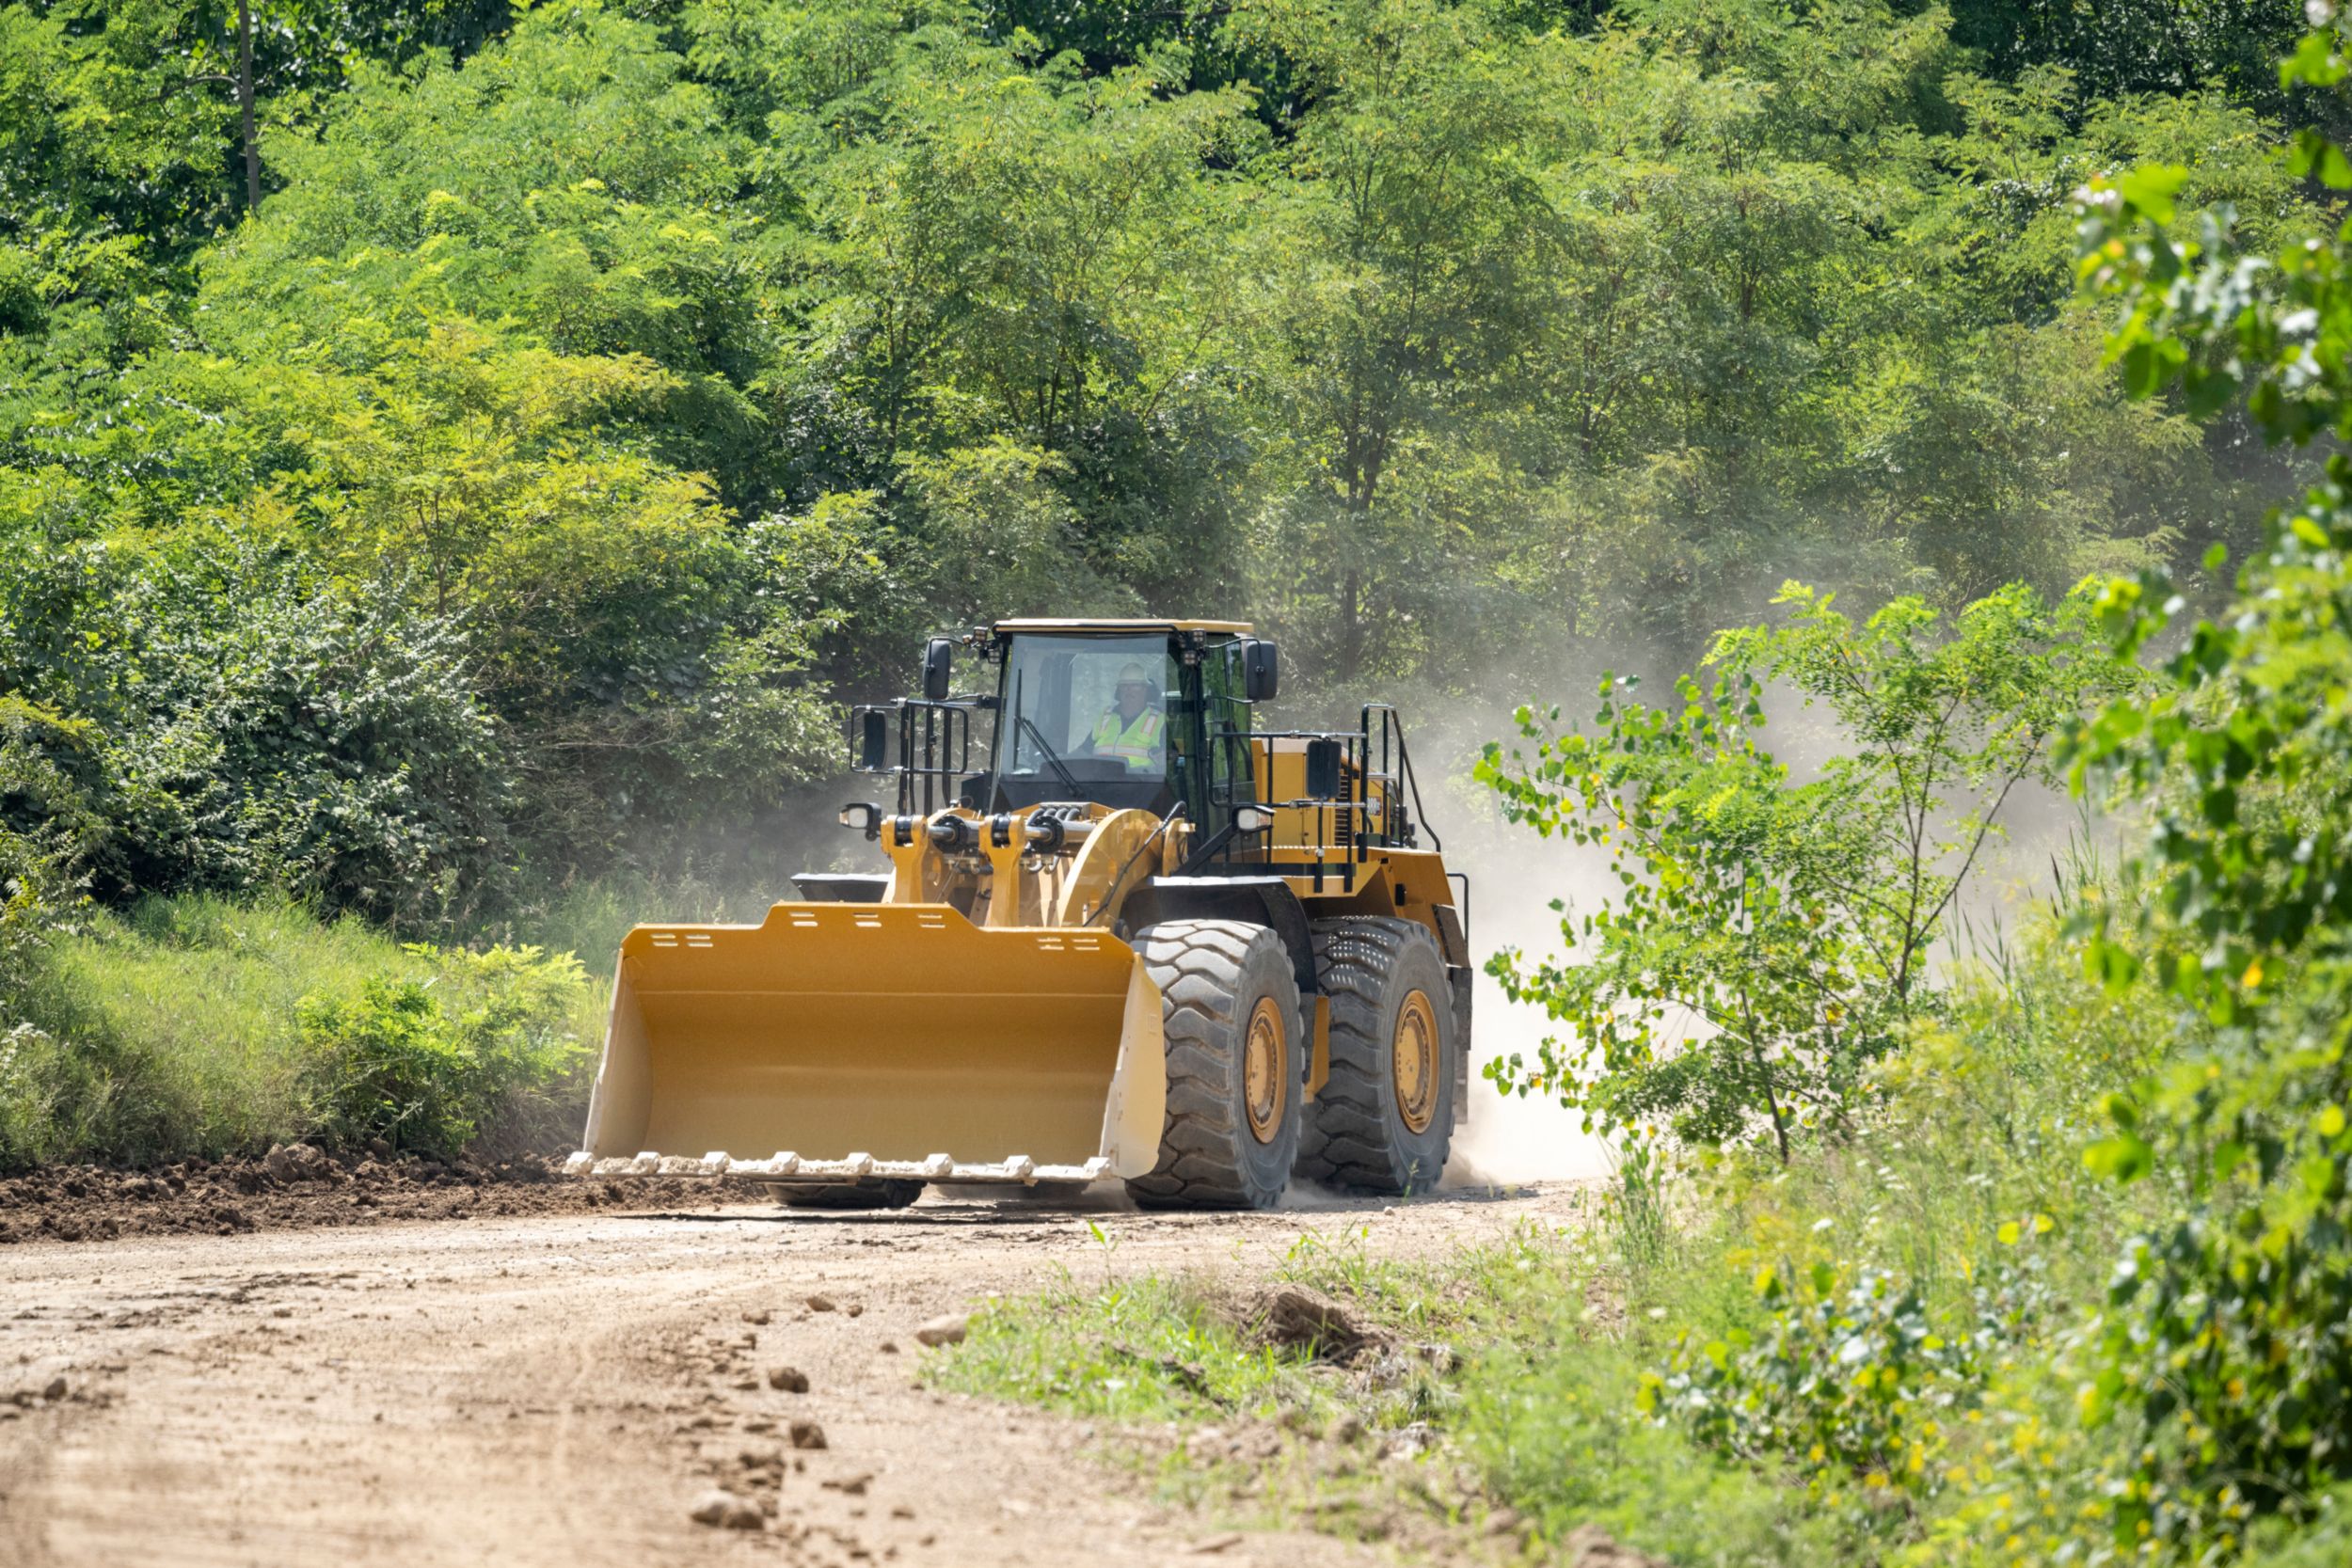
(209, 1027)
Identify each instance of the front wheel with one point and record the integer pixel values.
(1236, 1061)
(1384, 1119)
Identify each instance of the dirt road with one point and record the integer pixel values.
(558, 1389)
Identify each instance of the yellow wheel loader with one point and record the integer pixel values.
(1129, 933)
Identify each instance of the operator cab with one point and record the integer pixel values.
(1122, 713)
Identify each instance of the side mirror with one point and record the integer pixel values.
(1323, 769)
(1261, 671)
(939, 657)
(873, 744)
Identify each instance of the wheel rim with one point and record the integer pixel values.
(1262, 1070)
(1414, 1062)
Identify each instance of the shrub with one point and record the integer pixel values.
(252, 725)
(427, 1065)
(1854, 1379)
(2226, 1358)
(1793, 921)
(47, 828)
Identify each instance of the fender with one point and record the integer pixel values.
(1266, 901)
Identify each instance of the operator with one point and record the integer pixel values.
(1133, 728)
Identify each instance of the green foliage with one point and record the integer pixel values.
(2227, 1354)
(47, 828)
(426, 1070)
(241, 725)
(1856, 1381)
(2137, 1295)
(1556, 1435)
(1790, 922)
(671, 370)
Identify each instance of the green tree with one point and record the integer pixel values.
(1409, 242)
(1772, 937)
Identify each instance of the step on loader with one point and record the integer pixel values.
(1125, 933)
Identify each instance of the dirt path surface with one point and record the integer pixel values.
(561, 1388)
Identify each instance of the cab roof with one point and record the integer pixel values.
(1240, 629)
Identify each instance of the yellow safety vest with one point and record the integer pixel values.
(1132, 742)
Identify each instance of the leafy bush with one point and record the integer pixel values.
(1792, 920)
(1858, 1381)
(46, 828)
(427, 1070)
(2227, 1355)
(250, 727)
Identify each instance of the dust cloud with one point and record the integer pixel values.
(1514, 877)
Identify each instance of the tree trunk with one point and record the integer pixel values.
(1351, 627)
(245, 105)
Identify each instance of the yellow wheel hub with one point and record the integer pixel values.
(1263, 1057)
(1413, 1056)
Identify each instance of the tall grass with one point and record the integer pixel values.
(173, 1029)
(178, 1027)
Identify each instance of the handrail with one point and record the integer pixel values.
(944, 746)
(1392, 726)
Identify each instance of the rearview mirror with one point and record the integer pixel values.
(1323, 769)
(873, 746)
(1261, 672)
(938, 660)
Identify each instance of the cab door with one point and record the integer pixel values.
(1219, 740)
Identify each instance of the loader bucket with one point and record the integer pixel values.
(846, 1040)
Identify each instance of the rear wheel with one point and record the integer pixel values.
(1236, 1059)
(1383, 1121)
(864, 1193)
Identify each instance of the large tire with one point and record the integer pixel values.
(1383, 1121)
(1229, 999)
(866, 1193)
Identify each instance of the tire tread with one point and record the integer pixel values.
(1198, 966)
(1347, 1140)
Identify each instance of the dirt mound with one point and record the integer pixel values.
(1300, 1317)
(298, 1187)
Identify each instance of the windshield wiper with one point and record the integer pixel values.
(1022, 722)
(1050, 755)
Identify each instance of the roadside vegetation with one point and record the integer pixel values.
(211, 1026)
